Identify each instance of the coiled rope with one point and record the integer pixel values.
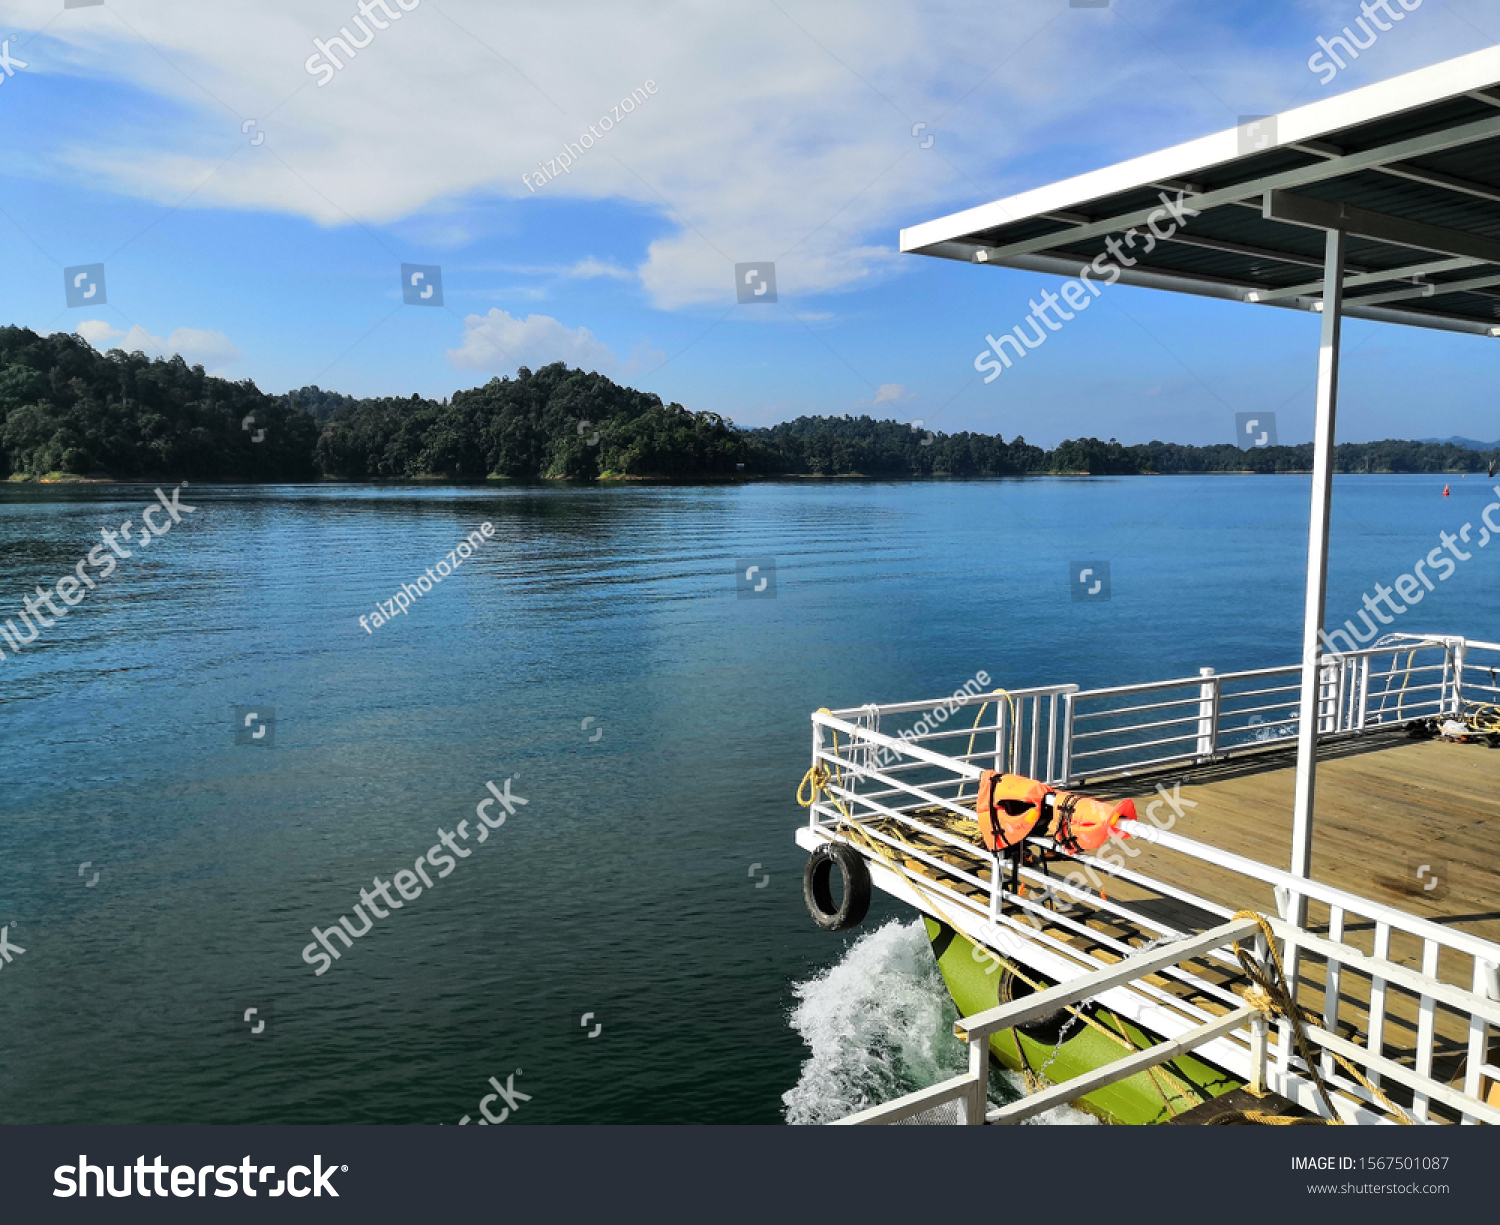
(1481, 718)
(1269, 994)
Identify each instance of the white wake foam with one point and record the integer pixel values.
(879, 1024)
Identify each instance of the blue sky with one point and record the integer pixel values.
(772, 130)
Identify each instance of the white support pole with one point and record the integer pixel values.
(817, 747)
(976, 1102)
(1205, 716)
(1310, 715)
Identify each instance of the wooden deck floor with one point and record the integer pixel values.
(1384, 806)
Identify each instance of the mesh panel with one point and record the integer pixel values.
(949, 1114)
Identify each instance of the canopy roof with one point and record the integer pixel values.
(1410, 168)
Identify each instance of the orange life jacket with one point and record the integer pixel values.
(1010, 808)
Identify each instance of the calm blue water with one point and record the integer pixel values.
(624, 887)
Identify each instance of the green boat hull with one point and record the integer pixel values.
(974, 982)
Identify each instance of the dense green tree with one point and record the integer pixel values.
(65, 408)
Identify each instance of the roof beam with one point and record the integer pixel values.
(1382, 227)
(1223, 288)
(1368, 278)
(1332, 167)
(1429, 291)
(1429, 178)
(1239, 248)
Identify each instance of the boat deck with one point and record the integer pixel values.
(1385, 806)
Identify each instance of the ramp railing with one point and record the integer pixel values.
(1272, 1063)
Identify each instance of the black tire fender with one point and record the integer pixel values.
(817, 887)
(1047, 1030)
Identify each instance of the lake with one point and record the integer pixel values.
(630, 944)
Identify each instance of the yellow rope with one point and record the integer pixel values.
(1405, 681)
(817, 778)
(1482, 718)
(974, 735)
(1270, 995)
(1151, 1072)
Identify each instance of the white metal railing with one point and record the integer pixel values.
(1060, 733)
(1266, 1053)
(1019, 731)
(887, 795)
(1131, 727)
(1479, 672)
(970, 1088)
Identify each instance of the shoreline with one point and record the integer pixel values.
(53, 480)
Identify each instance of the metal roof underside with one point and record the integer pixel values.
(1410, 168)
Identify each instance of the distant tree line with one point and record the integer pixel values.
(68, 409)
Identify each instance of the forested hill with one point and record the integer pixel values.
(68, 410)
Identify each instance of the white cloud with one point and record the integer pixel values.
(584, 269)
(197, 346)
(498, 343)
(96, 330)
(890, 393)
(778, 132)
(590, 267)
